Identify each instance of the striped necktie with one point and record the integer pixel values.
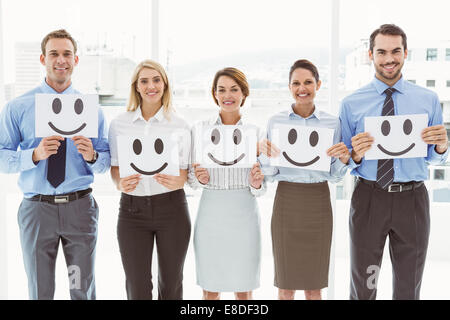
(385, 169)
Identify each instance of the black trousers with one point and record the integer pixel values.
(164, 219)
(404, 217)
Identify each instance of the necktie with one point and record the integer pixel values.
(385, 170)
(56, 166)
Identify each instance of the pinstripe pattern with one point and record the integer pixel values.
(385, 169)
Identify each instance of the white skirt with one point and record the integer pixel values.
(227, 241)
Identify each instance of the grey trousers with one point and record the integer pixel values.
(42, 226)
(404, 217)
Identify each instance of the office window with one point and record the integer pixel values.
(409, 58)
(447, 54)
(448, 83)
(439, 174)
(431, 83)
(432, 54)
(412, 81)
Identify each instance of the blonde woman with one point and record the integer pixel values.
(153, 210)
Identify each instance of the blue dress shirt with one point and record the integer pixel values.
(316, 119)
(18, 130)
(408, 99)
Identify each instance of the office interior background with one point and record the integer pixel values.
(192, 40)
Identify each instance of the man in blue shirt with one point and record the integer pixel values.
(390, 198)
(55, 175)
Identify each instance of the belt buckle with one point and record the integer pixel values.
(395, 188)
(61, 199)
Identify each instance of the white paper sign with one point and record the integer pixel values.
(396, 136)
(148, 155)
(67, 115)
(226, 146)
(302, 147)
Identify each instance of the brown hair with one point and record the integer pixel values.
(388, 29)
(135, 99)
(58, 34)
(304, 64)
(237, 76)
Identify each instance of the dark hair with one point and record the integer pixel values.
(58, 34)
(237, 76)
(304, 64)
(388, 29)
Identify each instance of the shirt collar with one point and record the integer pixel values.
(159, 116)
(380, 86)
(315, 114)
(45, 87)
(217, 120)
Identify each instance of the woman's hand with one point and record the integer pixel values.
(128, 184)
(172, 182)
(256, 177)
(201, 174)
(339, 151)
(268, 148)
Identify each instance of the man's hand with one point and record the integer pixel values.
(436, 135)
(85, 147)
(46, 148)
(361, 143)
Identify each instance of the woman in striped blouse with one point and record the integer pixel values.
(227, 232)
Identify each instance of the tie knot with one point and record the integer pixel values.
(389, 91)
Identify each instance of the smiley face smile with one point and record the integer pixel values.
(66, 132)
(395, 153)
(230, 163)
(149, 173)
(301, 164)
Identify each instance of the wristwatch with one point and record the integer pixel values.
(93, 159)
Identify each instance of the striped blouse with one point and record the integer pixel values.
(223, 178)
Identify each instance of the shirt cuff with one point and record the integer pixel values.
(258, 192)
(102, 164)
(439, 158)
(26, 160)
(352, 164)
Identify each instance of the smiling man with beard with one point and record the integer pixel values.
(390, 198)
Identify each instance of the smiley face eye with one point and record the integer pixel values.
(56, 106)
(78, 106)
(313, 138)
(159, 146)
(292, 136)
(215, 136)
(137, 146)
(386, 127)
(237, 136)
(407, 126)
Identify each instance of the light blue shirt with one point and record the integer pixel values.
(17, 130)
(316, 119)
(408, 99)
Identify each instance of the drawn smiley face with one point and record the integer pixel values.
(57, 107)
(159, 148)
(386, 129)
(216, 139)
(313, 141)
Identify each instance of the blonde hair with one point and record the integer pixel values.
(135, 99)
